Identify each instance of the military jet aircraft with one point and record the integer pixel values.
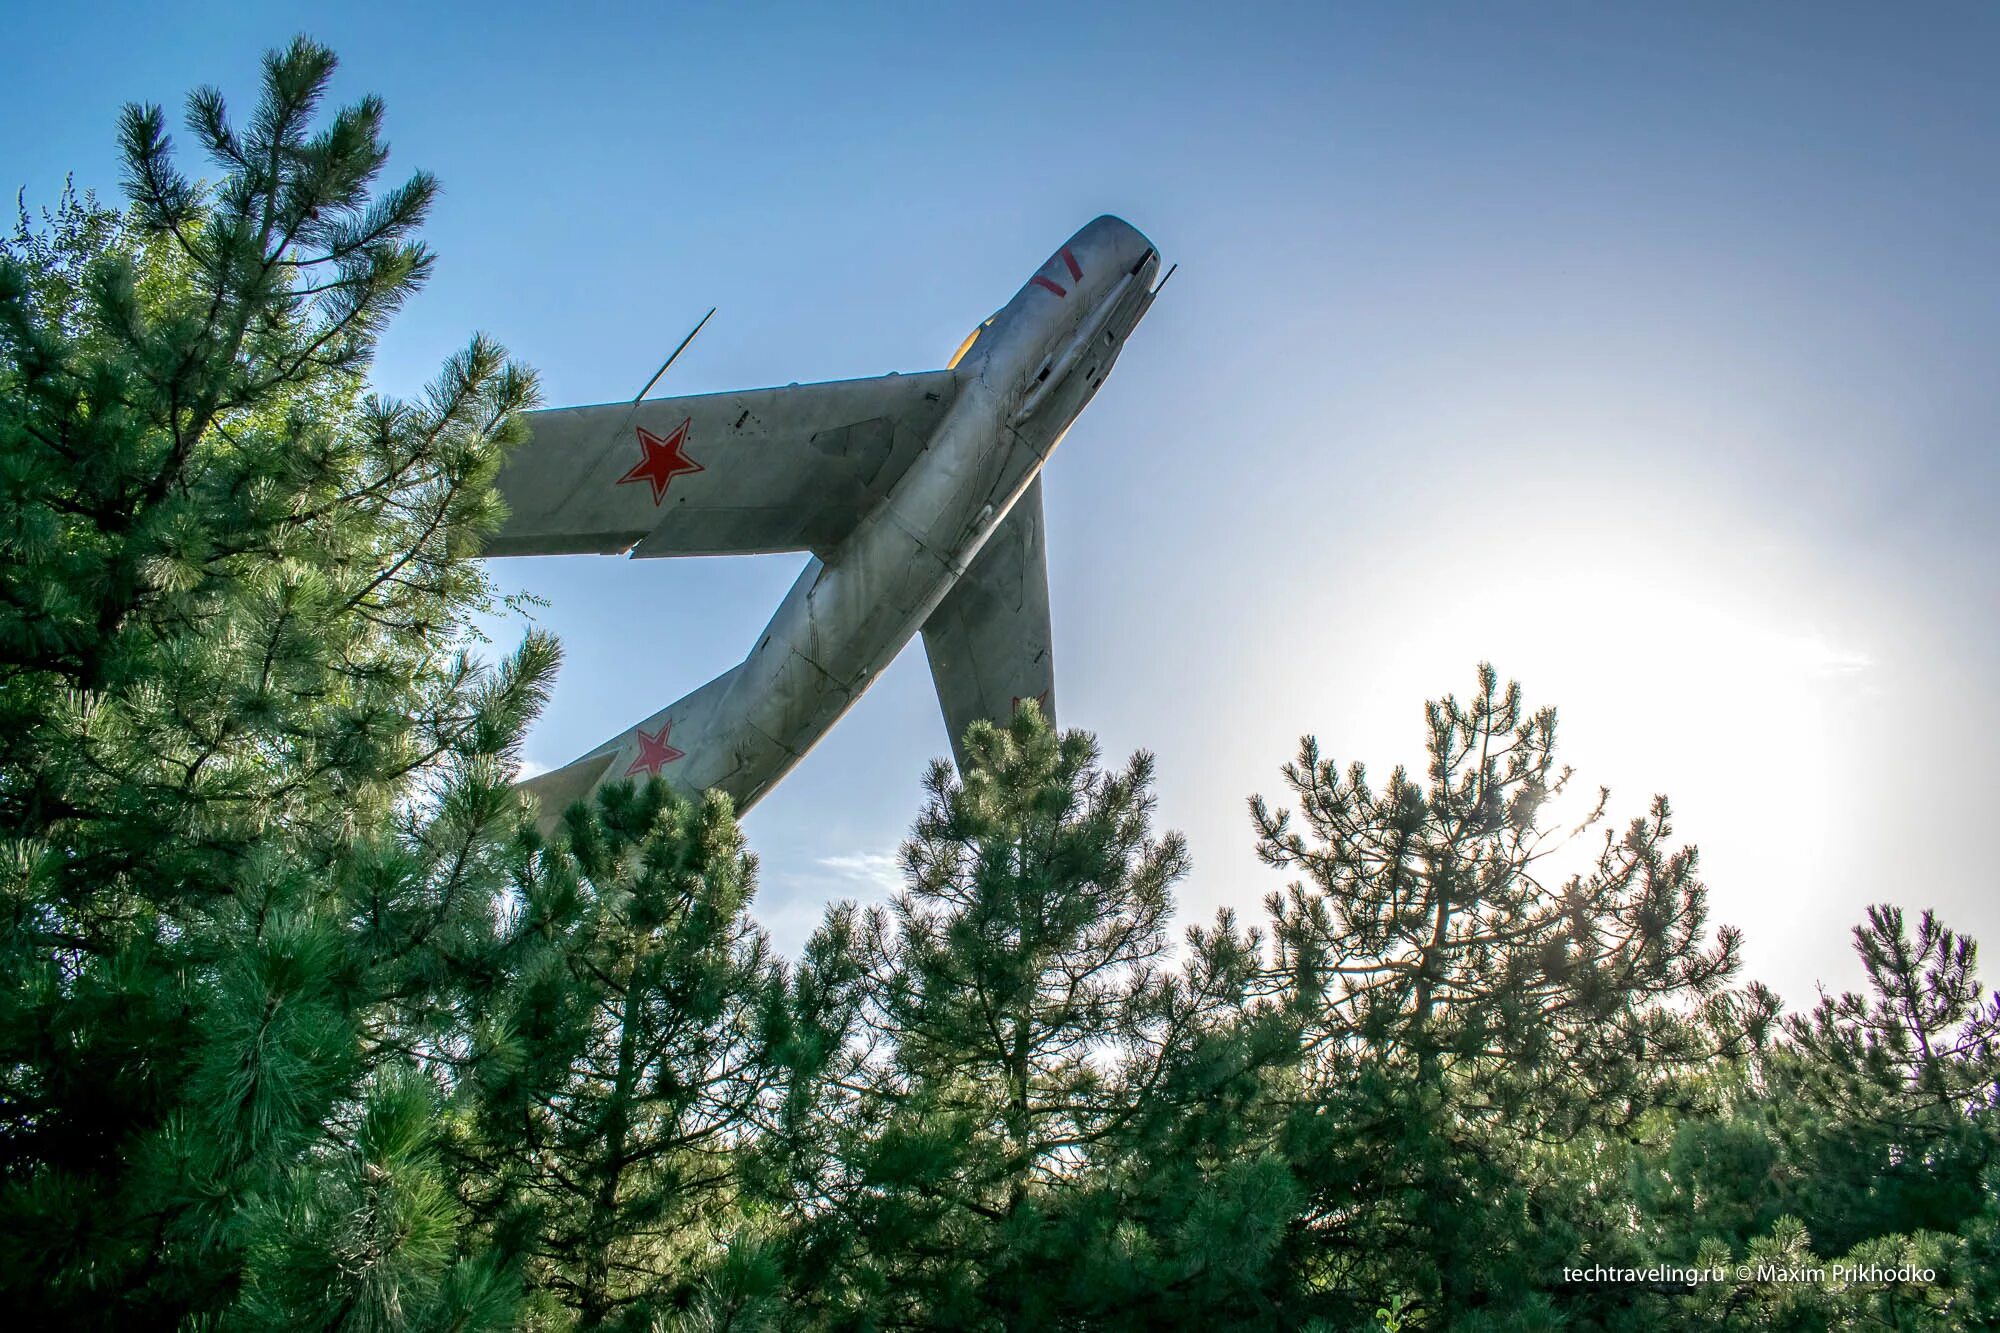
(919, 497)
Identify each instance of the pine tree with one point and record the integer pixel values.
(251, 772)
(1868, 1133)
(1463, 1011)
(1020, 1024)
(617, 1081)
(1902, 1086)
(1922, 1051)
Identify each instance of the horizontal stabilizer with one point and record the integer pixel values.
(559, 789)
(696, 743)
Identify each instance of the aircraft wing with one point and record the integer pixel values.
(785, 469)
(989, 641)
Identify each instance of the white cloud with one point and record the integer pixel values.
(879, 871)
(792, 904)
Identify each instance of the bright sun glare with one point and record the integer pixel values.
(1713, 678)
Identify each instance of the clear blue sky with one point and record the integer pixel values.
(1648, 351)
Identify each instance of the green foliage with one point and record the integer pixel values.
(1432, 940)
(366, 1236)
(249, 772)
(1868, 1135)
(615, 1065)
(1463, 1011)
(1019, 1025)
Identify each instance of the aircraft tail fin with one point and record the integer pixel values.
(988, 641)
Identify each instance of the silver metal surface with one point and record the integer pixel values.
(919, 497)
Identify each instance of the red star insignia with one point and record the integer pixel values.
(1041, 699)
(654, 751)
(660, 461)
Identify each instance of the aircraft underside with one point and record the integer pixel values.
(919, 497)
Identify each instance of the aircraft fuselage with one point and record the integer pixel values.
(1020, 382)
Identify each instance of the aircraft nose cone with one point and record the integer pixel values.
(1119, 244)
(1108, 228)
(1109, 224)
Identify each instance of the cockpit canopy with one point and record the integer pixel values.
(970, 339)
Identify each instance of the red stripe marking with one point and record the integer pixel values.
(1075, 271)
(1041, 281)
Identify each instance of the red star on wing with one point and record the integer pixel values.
(660, 461)
(654, 751)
